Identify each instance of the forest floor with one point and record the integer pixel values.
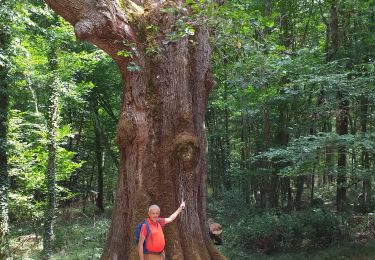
(341, 251)
(82, 237)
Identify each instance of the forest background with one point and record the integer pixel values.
(290, 128)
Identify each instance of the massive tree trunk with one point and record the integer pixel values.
(161, 127)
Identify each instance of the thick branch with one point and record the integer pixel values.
(103, 23)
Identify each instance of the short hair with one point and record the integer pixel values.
(153, 207)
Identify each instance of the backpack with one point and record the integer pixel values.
(138, 232)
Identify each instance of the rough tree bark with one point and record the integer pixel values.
(161, 125)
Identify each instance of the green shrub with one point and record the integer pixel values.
(268, 232)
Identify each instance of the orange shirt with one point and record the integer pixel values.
(155, 241)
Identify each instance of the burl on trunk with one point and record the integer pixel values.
(161, 136)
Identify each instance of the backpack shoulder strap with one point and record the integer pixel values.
(148, 230)
(158, 221)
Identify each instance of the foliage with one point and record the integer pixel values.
(340, 251)
(268, 231)
(27, 165)
(272, 117)
(79, 238)
(80, 70)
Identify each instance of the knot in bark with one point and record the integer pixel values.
(126, 130)
(186, 148)
(89, 27)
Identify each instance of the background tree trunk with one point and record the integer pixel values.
(365, 158)
(99, 154)
(341, 129)
(51, 172)
(342, 117)
(161, 125)
(4, 179)
(334, 31)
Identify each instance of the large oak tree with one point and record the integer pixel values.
(164, 59)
